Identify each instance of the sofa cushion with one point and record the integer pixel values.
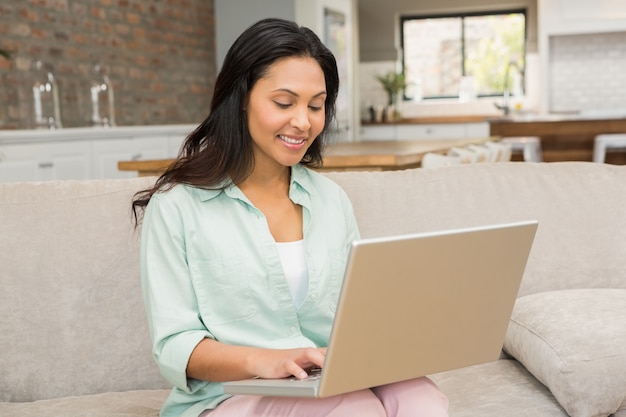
(574, 342)
(496, 389)
(579, 206)
(70, 296)
(140, 403)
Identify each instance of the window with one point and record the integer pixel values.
(481, 54)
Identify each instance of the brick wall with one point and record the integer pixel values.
(158, 54)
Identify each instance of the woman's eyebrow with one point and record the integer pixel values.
(293, 93)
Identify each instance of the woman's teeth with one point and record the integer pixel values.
(294, 141)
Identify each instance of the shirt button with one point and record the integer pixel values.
(294, 329)
(314, 296)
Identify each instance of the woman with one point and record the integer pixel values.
(243, 248)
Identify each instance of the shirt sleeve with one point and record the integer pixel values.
(169, 297)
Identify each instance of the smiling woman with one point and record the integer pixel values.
(244, 247)
(286, 112)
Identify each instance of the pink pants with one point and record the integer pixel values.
(414, 398)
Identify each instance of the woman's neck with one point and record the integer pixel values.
(273, 182)
(270, 194)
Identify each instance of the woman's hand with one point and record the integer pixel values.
(219, 362)
(281, 363)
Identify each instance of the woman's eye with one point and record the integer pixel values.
(282, 105)
(316, 108)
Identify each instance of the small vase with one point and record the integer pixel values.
(46, 112)
(102, 109)
(390, 113)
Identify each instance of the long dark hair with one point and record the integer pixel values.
(220, 148)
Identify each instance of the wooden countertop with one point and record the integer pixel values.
(513, 118)
(386, 155)
(433, 120)
(350, 156)
(556, 118)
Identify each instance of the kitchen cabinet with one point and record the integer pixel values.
(108, 152)
(430, 131)
(408, 131)
(476, 130)
(45, 161)
(84, 153)
(174, 144)
(378, 132)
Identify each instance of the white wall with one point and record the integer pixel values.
(587, 72)
(590, 30)
(233, 16)
(379, 21)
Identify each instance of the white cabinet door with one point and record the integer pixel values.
(381, 132)
(66, 161)
(430, 131)
(45, 161)
(19, 163)
(108, 152)
(424, 131)
(174, 143)
(477, 130)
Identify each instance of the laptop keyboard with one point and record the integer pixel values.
(313, 374)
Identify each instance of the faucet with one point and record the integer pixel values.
(506, 106)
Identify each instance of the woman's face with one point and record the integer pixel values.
(285, 111)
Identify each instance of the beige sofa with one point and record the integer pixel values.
(74, 340)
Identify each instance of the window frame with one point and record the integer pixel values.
(462, 16)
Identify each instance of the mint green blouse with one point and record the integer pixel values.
(211, 268)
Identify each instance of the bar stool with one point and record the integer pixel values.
(467, 156)
(502, 150)
(607, 141)
(436, 160)
(485, 154)
(528, 146)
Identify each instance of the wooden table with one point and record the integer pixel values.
(381, 155)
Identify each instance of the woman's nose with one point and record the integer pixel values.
(300, 119)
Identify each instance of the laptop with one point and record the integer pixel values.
(415, 305)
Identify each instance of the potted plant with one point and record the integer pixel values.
(394, 84)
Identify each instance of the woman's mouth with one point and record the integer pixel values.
(292, 140)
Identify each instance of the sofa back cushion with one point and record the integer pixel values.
(581, 239)
(72, 319)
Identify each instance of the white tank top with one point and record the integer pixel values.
(294, 267)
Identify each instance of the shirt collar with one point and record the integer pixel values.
(299, 189)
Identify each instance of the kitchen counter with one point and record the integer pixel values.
(567, 137)
(432, 120)
(383, 155)
(96, 133)
(83, 153)
(562, 117)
